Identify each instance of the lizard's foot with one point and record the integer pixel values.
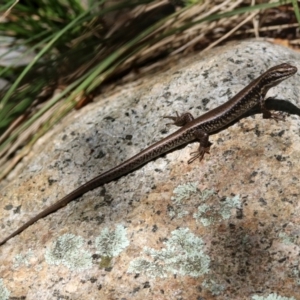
(180, 120)
(278, 117)
(200, 153)
(271, 115)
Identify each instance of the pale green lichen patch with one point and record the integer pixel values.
(112, 242)
(23, 259)
(208, 214)
(4, 292)
(228, 205)
(67, 250)
(271, 297)
(185, 194)
(188, 195)
(296, 272)
(205, 214)
(287, 240)
(183, 191)
(183, 255)
(213, 287)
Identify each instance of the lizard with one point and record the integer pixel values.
(192, 129)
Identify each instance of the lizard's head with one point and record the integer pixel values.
(277, 74)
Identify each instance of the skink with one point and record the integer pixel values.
(191, 130)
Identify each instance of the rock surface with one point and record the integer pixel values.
(225, 228)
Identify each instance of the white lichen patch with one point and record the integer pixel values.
(296, 272)
(23, 259)
(4, 292)
(183, 191)
(111, 243)
(215, 288)
(208, 214)
(288, 240)
(205, 214)
(67, 250)
(228, 205)
(271, 297)
(183, 255)
(184, 194)
(285, 238)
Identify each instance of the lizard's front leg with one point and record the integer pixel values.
(180, 120)
(268, 114)
(204, 146)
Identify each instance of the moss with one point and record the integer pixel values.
(4, 293)
(105, 262)
(183, 255)
(67, 250)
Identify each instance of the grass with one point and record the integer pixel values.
(78, 50)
